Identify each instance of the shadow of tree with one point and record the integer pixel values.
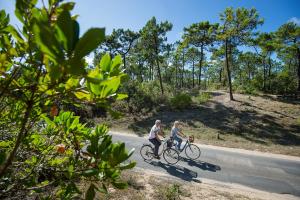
(177, 171)
(295, 101)
(250, 125)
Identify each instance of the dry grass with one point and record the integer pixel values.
(144, 185)
(261, 123)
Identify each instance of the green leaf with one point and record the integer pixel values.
(76, 66)
(110, 86)
(45, 40)
(89, 41)
(105, 63)
(70, 170)
(67, 6)
(128, 166)
(65, 30)
(71, 83)
(119, 185)
(90, 172)
(90, 193)
(83, 95)
(121, 96)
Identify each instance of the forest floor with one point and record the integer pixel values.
(144, 184)
(263, 122)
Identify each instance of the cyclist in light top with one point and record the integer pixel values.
(175, 133)
(153, 137)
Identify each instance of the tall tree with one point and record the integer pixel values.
(200, 35)
(289, 35)
(236, 29)
(267, 43)
(192, 55)
(153, 38)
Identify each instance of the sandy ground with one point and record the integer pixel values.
(154, 185)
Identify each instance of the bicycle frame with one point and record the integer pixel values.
(187, 143)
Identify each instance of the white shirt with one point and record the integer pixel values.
(153, 132)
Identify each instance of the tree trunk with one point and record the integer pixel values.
(176, 75)
(193, 74)
(270, 66)
(228, 70)
(200, 66)
(264, 77)
(249, 72)
(124, 61)
(298, 52)
(220, 75)
(182, 74)
(159, 76)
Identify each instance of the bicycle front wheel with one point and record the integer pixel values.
(192, 152)
(171, 156)
(147, 152)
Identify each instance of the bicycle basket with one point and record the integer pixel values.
(191, 138)
(169, 143)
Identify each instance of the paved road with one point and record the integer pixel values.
(259, 172)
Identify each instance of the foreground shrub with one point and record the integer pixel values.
(42, 66)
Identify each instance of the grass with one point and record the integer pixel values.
(143, 185)
(256, 123)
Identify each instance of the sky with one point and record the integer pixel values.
(134, 14)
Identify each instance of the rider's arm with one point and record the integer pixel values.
(181, 133)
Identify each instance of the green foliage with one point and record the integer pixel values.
(43, 67)
(181, 101)
(203, 97)
(246, 89)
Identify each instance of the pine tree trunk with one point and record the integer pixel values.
(176, 84)
(228, 71)
(264, 77)
(270, 66)
(298, 52)
(200, 66)
(182, 74)
(193, 74)
(159, 76)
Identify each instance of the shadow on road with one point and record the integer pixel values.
(178, 171)
(202, 165)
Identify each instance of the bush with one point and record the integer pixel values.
(180, 101)
(203, 97)
(143, 97)
(246, 89)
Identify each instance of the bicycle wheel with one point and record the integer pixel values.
(147, 152)
(171, 156)
(192, 151)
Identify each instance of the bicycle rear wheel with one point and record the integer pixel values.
(171, 156)
(146, 152)
(192, 151)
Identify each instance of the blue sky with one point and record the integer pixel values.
(133, 14)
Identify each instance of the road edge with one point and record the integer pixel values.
(228, 149)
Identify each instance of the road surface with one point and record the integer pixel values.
(274, 175)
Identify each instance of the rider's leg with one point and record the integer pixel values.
(156, 145)
(179, 141)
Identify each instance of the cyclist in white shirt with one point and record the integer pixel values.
(153, 137)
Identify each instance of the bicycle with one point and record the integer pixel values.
(191, 150)
(170, 155)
